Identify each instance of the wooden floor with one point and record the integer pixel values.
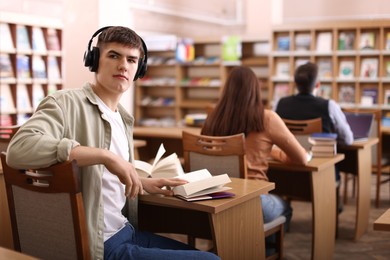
(297, 243)
(372, 245)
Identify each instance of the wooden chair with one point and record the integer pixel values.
(303, 128)
(379, 163)
(47, 212)
(225, 154)
(6, 133)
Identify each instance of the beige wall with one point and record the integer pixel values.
(82, 17)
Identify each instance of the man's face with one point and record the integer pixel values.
(117, 67)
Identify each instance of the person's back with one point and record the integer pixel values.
(305, 105)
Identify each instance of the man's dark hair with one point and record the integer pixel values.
(306, 77)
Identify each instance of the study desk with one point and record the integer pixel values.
(234, 224)
(6, 239)
(358, 162)
(383, 222)
(154, 136)
(6, 253)
(313, 182)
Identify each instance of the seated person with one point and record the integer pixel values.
(305, 105)
(89, 125)
(240, 110)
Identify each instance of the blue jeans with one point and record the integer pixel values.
(274, 206)
(131, 244)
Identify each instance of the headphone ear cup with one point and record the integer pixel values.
(95, 55)
(142, 67)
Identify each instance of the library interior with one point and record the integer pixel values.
(191, 50)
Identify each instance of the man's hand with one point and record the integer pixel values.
(155, 185)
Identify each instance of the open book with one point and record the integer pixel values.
(202, 185)
(167, 167)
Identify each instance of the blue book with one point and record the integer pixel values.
(323, 136)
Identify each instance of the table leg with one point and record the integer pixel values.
(324, 212)
(244, 239)
(364, 191)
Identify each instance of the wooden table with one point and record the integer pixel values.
(6, 239)
(6, 253)
(358, 162)
(154, 136)
(234, 224)
(383, 222)
(314, 182)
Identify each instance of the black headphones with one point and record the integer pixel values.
(91, 56)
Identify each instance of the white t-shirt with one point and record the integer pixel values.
(113, 190)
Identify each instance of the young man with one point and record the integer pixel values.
(90, 126)
(305, 105)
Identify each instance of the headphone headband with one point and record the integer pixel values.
(91, 56)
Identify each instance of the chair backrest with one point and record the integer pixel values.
(218, 154)
(303, 128)
(6, 133)
(47, 211)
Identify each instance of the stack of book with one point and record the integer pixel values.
(323, 144)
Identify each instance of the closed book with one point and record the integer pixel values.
(324, 136)
(323, 142)
(323, 154)
(324, 148)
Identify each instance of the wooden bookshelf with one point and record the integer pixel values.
(32, 45)
(170, 90)
(348, 68)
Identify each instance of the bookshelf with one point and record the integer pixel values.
(171, 90)
(353, 59)
(30, 64)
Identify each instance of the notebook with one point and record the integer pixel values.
(360, 124)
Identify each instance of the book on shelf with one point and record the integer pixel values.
(51, 88)
(22, 99)
(324, 42)
(282, 69)
(37, 95)
(346, 41)
(6, 43)
(367, 41)
(283, 43)
(387, 41)
(386, 96)
(347, 94)
(53, 41)
(53, 69)
(325, 91)
(325, 68)
(300, 61)
(7, 104)
(231, 48)
(6, 70)
(280, 90)
(202, 185)
(302, 42)
(39, 67)
(369, 96)
(185, 51)
(167, 167)
(23, 66)
(346, 69)
(387, 69)
(38, 40)
(369, 68)
(22, 38)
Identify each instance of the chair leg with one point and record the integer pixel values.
(191, 240)
(345, 197)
